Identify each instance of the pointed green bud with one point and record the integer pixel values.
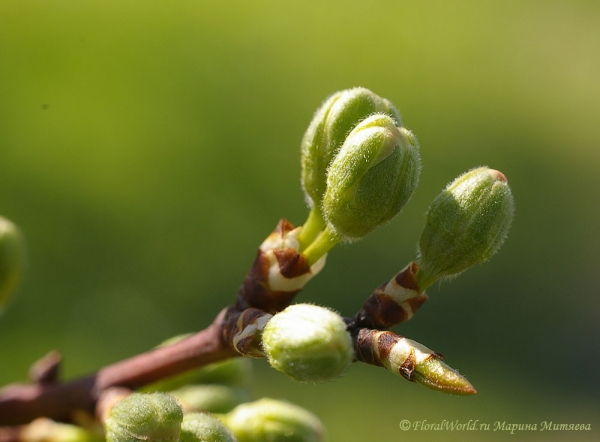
(201, 427)
(277, 421)
(332, 122)
(434, 373)
(373, 175)
(411, 360)
(12, 259)
(145, 417)
(308, 343)
(417, 363)
(466, 224)
(212, 398)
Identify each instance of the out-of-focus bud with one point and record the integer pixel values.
(466, 224)
(12, 259)
(308, 343)
(153, 417)
(202, 427)
(271, 420)
(212, 398)
(373, 175)
(332, 122)
(411, 360)
(47, 430)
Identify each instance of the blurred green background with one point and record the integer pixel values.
(148, 147)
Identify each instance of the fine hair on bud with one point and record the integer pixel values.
(308, 343)
(466, 224)
(330, 125)
(151, 417)
(202, 427)
(372, 177)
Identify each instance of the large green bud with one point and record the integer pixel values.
(153, 417)
(202, 427)
(332, 122)
(12, 259)
(373, 175)
(274, 421)
(308, 343)
(466, 224)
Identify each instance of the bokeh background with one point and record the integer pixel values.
(147, 148)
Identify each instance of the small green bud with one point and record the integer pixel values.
(212, 398)
(466, 224)
(12, 259)
(201, 427)
(411, 360)
(308, 343)
(275, 421)
(373, 175)
(332, 122)
(417, 363)
(145, 417)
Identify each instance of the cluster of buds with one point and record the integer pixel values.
(158, 417)
(359, 168)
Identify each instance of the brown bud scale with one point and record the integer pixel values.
(278, 272)
(393, 302)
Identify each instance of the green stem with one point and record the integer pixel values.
(311, 228)
(423, 280)
(321, 245)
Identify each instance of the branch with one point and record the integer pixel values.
(20, 404)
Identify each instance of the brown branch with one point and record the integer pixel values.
(20, 404)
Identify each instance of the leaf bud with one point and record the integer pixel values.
(330, 125)
(373, 175)
(202, 427)
(272, 420)
(411, 360)
(145, 417)
(308, 343)
(466, 224)
(12, 259)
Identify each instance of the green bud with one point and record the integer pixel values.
(466, 224)
(308, 343)
(212, 398)
(201, 427)
(332, 122)
(373, 175)
(275, 421)
(145, 417)
(411, 360)
(12, 259)
(419, 364)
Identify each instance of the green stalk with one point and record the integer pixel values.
(321, 245)
(311, 228)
